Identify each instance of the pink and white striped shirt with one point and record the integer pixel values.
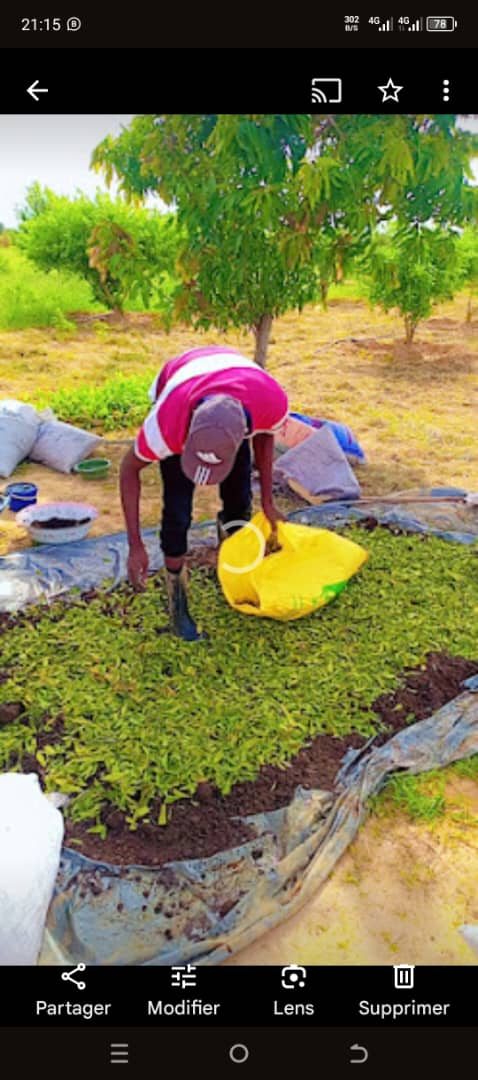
(186, 379)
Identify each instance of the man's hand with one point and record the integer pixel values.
(138, 566)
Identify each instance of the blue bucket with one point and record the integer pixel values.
(21, 495)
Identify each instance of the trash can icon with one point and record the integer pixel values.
(404, 976)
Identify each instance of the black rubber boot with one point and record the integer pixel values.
(183, 625)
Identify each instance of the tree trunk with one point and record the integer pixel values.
(340, 266)
(410, 328)
(469, 308)
(262, 330)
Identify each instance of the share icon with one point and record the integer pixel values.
(68, 976)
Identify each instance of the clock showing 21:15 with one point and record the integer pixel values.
(72, 23)
(41, 24)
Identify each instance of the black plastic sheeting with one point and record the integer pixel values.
(204, 910)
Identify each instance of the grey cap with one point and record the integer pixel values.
(218, 427)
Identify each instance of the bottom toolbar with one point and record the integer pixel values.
(186, 996)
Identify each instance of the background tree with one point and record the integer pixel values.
(37, 199)
(468, 258)
(239, 264)
(126, 253)
(412, 269)
(261, 198)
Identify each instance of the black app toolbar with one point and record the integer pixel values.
(186, 995)
(324, 80)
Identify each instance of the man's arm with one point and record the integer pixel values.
(130, 488)
(264, 457)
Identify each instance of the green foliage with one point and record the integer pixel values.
(271, 205)
(37, 200)
(31, 297)
(468, 263)
(421, 798)
(126, 254)
(119, 402)
(410, 269)
(467, 768)
(145, 715)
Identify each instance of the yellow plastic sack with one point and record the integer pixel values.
(311, 567)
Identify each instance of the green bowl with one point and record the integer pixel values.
(93, 468)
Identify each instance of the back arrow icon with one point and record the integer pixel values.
(35, 89)
(359, 1050)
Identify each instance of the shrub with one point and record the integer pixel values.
(31, 297)
(127, 254)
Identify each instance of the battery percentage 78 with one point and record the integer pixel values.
(437, 23)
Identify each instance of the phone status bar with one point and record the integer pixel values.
(432, 24)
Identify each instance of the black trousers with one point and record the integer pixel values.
(178, 491)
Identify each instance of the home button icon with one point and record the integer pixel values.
(238, 1053)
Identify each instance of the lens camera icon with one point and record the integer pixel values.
(293, 976)
(73, 23)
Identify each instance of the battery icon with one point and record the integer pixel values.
(437, 23)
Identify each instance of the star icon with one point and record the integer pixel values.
(390, 91)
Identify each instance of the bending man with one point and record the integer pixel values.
(209, 404)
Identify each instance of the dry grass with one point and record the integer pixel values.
(415, 411)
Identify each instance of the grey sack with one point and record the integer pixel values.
(320, 465)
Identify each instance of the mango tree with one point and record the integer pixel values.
(264, 200)
(410, 270)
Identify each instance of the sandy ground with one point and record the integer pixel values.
(397, 896)
(102, 494)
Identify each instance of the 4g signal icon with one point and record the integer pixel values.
(326, 91)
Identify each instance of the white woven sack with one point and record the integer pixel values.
(61, 446)
(31, 836)
(19, 425)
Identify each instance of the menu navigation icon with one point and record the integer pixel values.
(118, 1053)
